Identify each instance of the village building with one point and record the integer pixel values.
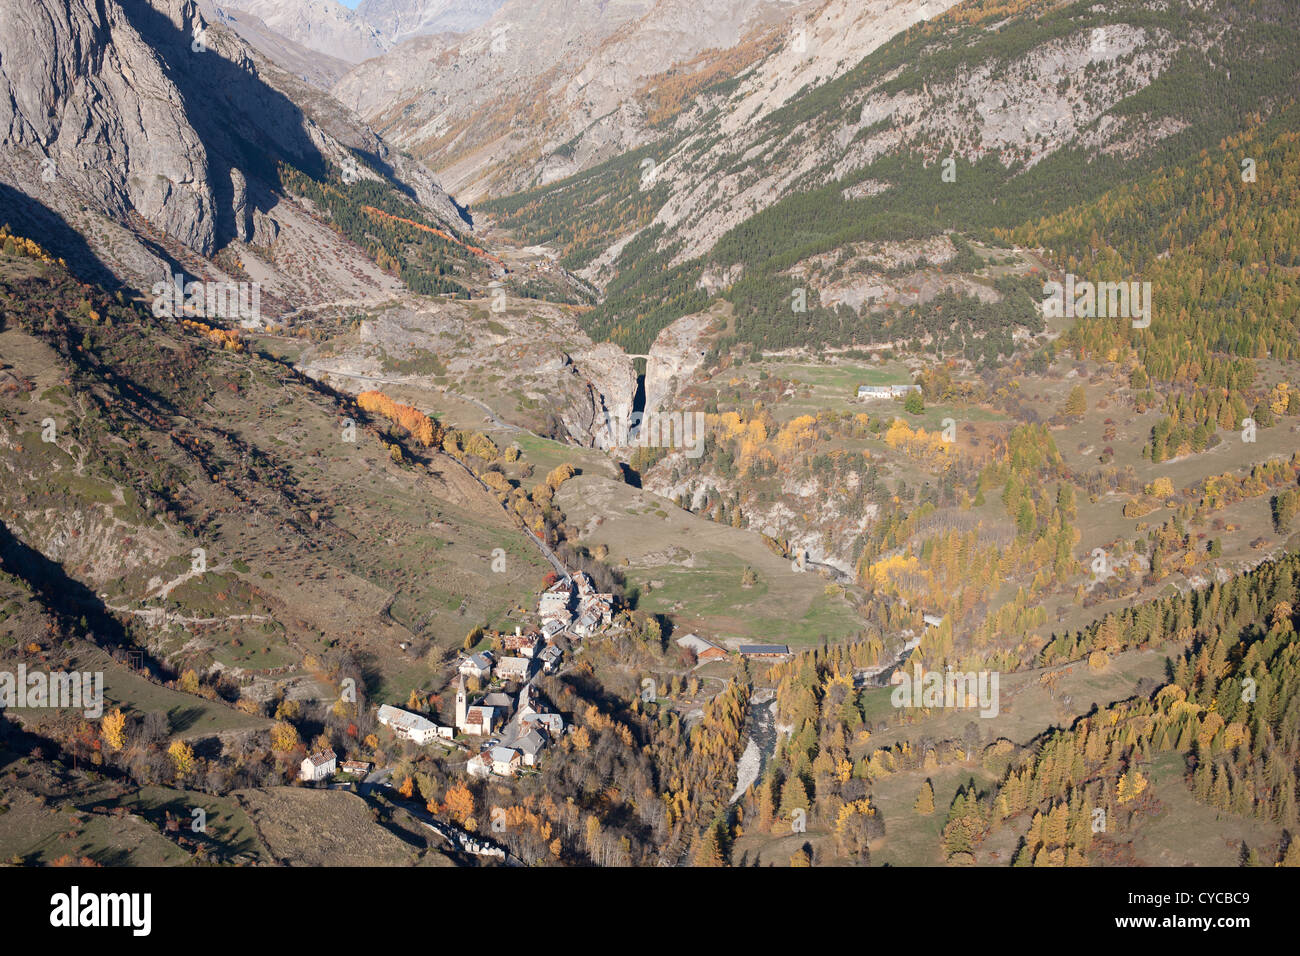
(703, 650)
(524, 739)
(550, 658)
(476, 720)
(356, 768)
(514, 668)
(505, 761)
(530, 747)
(598, 606)
(499, 701)
(408, 726)
(480, 765)
(586, 625)
(553, 724)
(476, 665)
(552, 628)
(530, 717)
(764, 650)
(520, 644)
(318, 766)
(556, 600)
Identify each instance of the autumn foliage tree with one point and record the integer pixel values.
(460, 802)
(113, 729)
(417, 424)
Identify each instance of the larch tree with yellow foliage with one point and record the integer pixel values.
(182, 755)
(113, 729)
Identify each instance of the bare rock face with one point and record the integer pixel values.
(611, 390)
(142, 107)
(676, 354)
(530, 366)
(312, 66)
(81, 89)
(573, 68)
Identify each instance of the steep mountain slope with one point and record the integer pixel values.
(325, 26)
(1087, 507)
(398, 20)
(541, 89)
(319, 69)
(171, 436)
(1021, 105)
(151, 142)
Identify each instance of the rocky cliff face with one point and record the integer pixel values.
(318, 69)
(709, 192)
(141, 108)
(677, 353)
(542, 88)
(529, 364)
(83, 93)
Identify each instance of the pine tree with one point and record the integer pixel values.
(925, 800)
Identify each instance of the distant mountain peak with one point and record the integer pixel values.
(325, 26)
(398, 20)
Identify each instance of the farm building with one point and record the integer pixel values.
(886, 391)
(703, 650)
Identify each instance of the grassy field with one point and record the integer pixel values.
(189, 715)
(912, 839)
(302, 827)
(691, 569)
(1173, 829)
(36, 833)
(225, 821)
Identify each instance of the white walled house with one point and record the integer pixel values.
(505, 761)
(480, 765)
(318, 766)
(478, 721)
(886, 391)
(408, 726)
